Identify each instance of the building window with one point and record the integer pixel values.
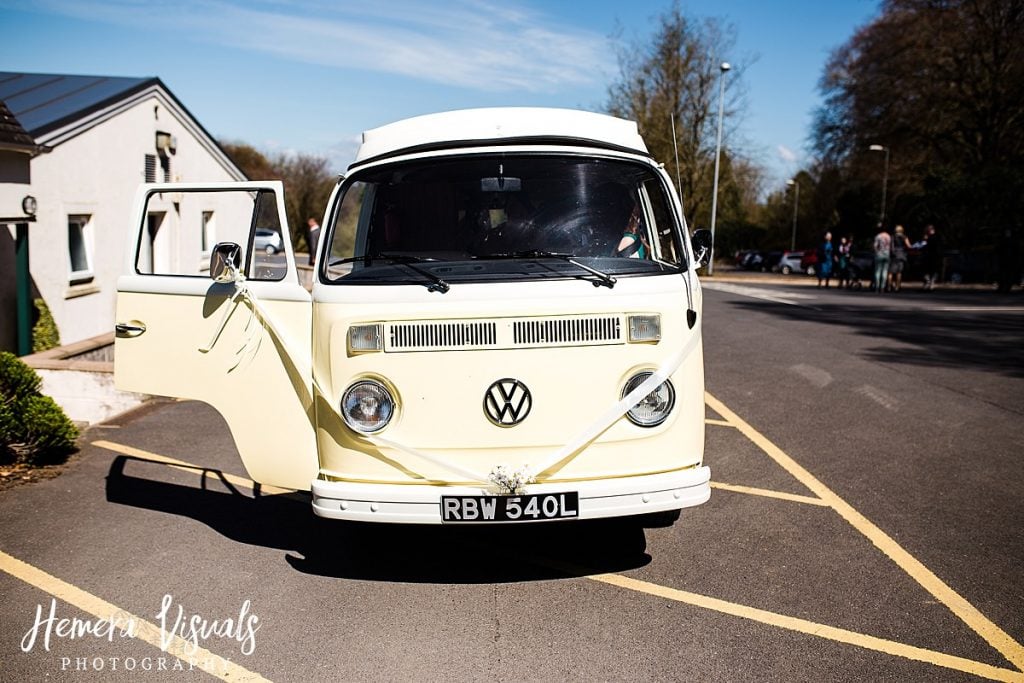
(80, 248)
(150, 168)
(208, 233)
(165, 166)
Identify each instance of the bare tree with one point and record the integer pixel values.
(675, 75)
(307, 183)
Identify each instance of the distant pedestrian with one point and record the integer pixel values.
(931, 250)
(314, 239)
(883, 252)
(826, 260)
(898, 260)
(1008, 261)
(843, 256)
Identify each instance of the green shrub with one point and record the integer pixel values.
(45, 335)
(33, 428)
(17, 380)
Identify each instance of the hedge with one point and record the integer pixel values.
(33, 429)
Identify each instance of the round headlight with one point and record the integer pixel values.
(654, 408)
(367, 406)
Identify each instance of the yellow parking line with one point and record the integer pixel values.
(889, 647)
(982, 625)
(718, 423)
(186, 467)
(768, 493)
(189, 654)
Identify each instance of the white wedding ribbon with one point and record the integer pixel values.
(583, 439)
(302, 362)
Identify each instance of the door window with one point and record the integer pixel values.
(179, 230)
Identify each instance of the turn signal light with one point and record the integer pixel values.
(365, 339)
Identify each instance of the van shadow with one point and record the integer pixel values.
(388, 552)
(950, 339)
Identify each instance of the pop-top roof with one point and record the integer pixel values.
(499, 125)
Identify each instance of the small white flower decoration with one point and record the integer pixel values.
(510, 481)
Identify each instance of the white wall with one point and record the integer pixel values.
(97, 173)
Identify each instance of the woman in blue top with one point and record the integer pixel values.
(632, 245)
(826, 257)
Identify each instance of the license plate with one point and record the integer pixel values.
(537, 507)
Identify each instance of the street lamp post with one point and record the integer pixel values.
(718, 153)
(796, 206)
(885, 177)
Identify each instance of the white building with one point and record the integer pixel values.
(106, 136)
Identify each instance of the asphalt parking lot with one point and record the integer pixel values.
(864, 524)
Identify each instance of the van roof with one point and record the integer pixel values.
(499, 125)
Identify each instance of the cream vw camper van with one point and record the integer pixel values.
(504, 325)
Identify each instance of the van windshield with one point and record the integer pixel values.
(502, 217)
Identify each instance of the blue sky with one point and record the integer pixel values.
(310, 75)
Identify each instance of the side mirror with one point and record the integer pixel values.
(701, 243)
(225, 261)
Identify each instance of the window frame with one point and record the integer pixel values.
(84, 223)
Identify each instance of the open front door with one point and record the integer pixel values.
(243, 346)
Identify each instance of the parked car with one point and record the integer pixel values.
(752, 260)
(267, 240)
(789, 262)
(770, 262)
(809, 261)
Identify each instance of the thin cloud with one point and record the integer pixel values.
(786, 154)
(472, 44)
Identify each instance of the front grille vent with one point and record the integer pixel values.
(442, 335)
(562, 331)
(504, 333)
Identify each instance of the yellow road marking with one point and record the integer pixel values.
(186, 467)
(967, 612)
(768, 493)
(889, 647)
(201, 658)
(717, 423)
(970, 615)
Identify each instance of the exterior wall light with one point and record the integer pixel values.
(29, 205)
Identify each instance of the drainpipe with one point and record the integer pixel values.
(23, 290)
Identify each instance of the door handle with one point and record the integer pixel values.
(129, 330)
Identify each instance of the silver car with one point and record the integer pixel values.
(267, 240)
(790, 262)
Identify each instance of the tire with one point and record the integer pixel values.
(786, 270)
(810, 270)
(270, 250)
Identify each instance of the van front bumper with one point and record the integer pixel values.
(421, 504)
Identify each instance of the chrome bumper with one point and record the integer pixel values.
(421, 504)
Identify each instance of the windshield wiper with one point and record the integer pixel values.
(407, 260)
(603, 279)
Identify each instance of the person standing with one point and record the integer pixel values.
(932, 252)
(883, 252)
(826, 258)
(314, 239)
(898, 260)
(845, 243)
(1008, 261)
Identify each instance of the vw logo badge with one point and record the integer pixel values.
(507, 402)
